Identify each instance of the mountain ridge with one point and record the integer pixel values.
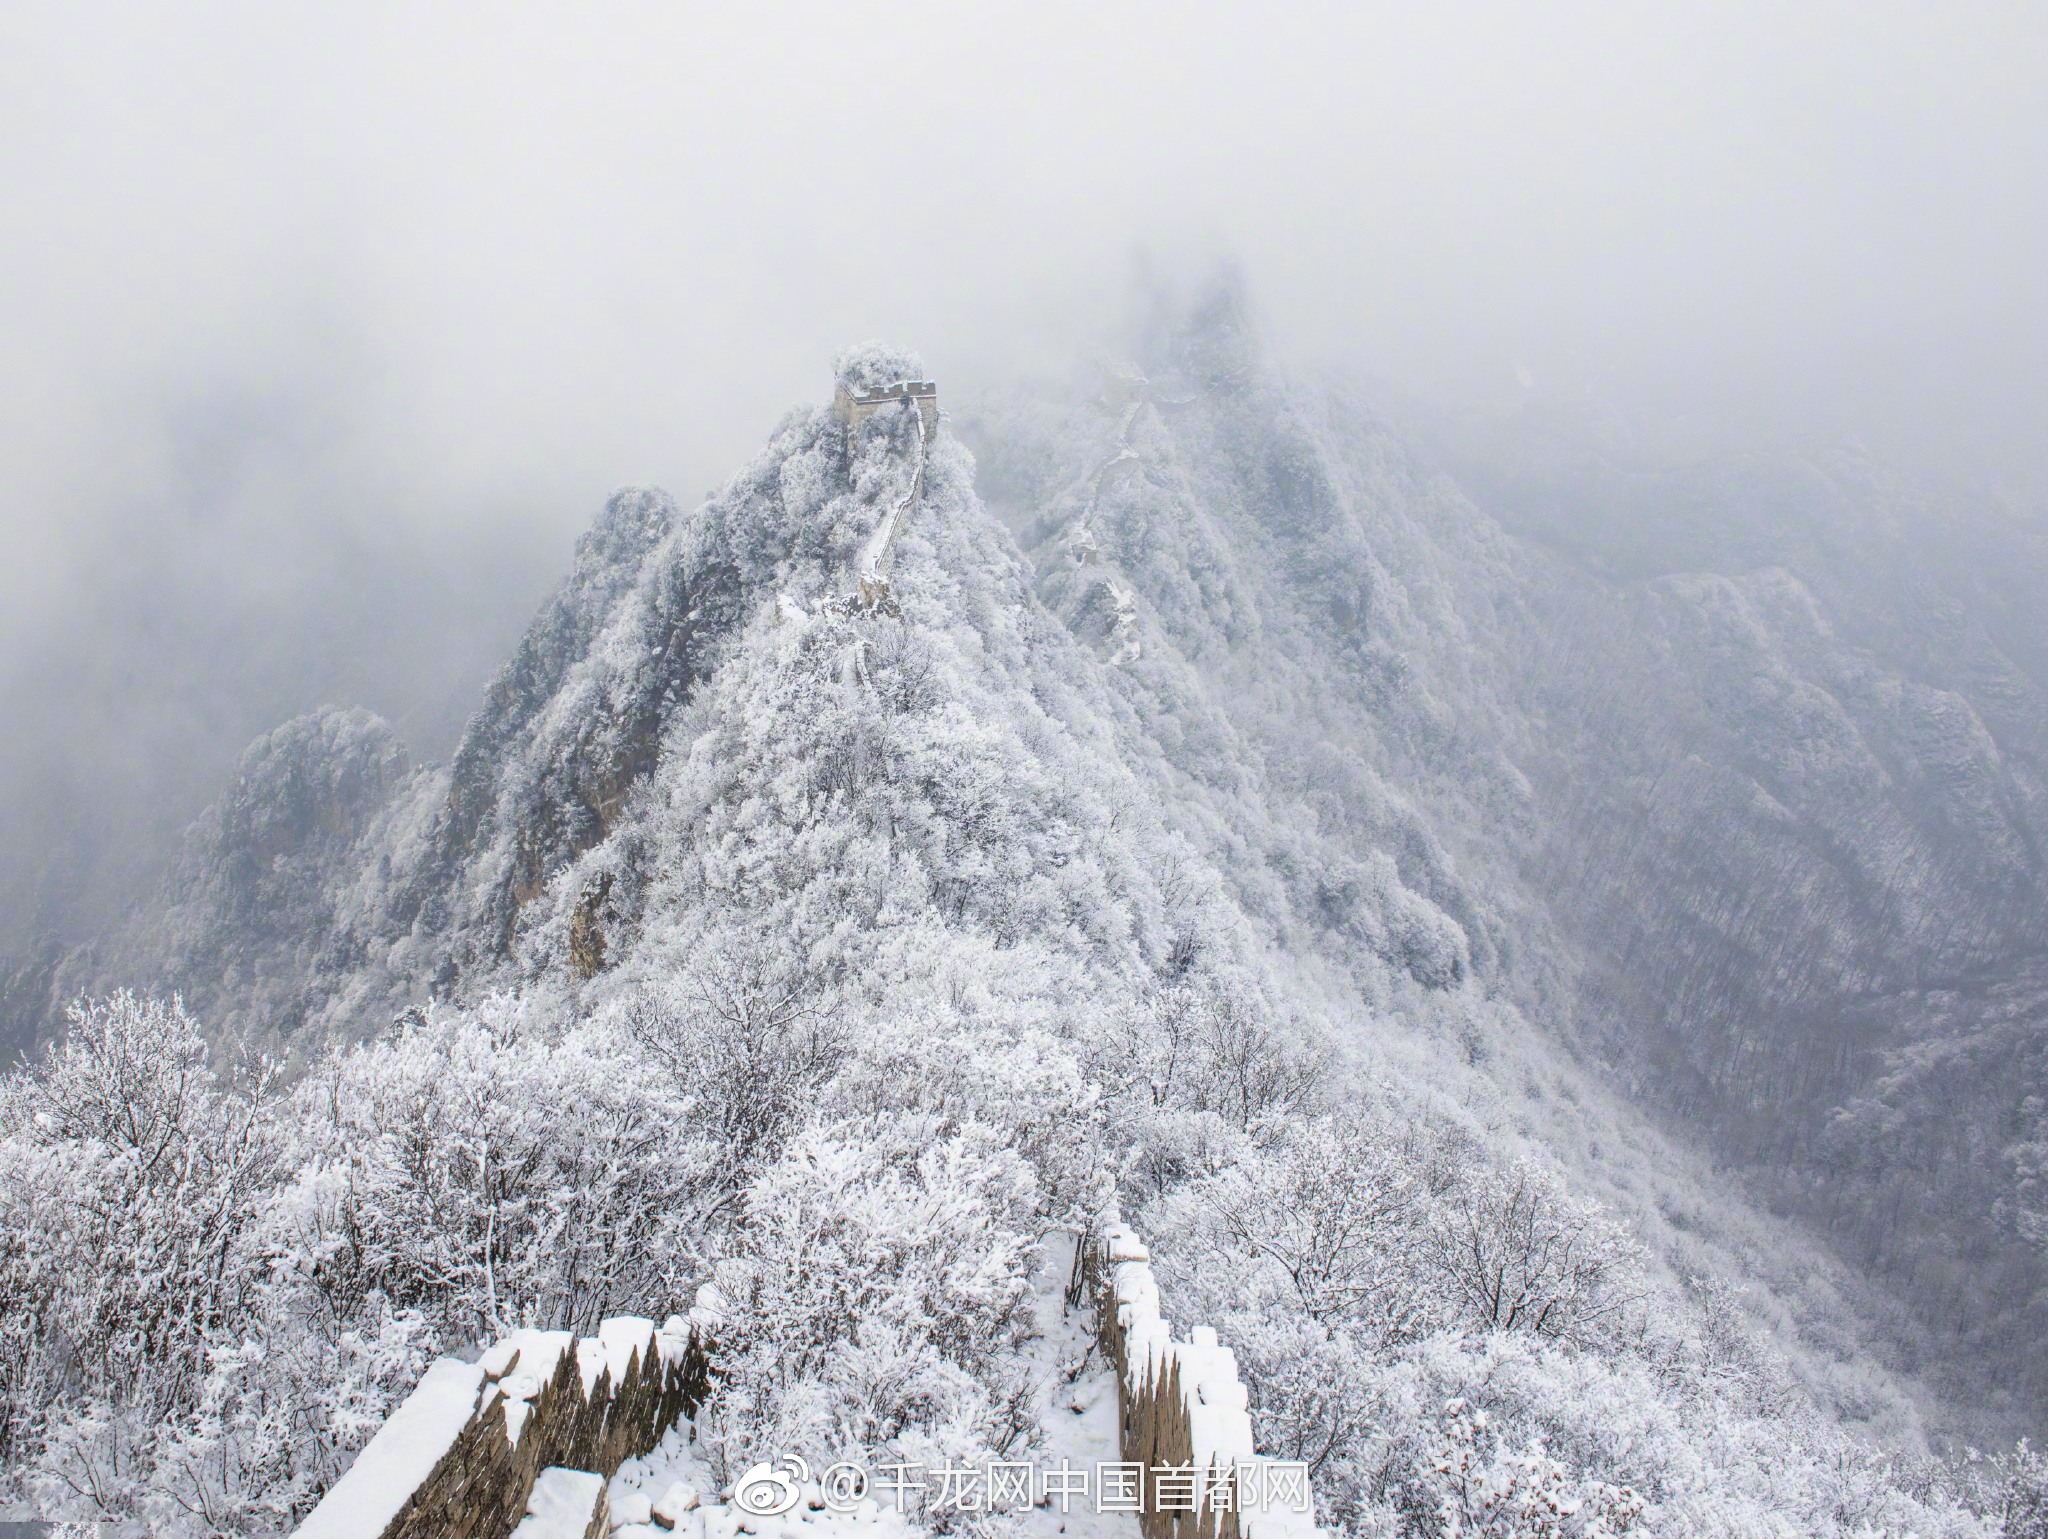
(1260, 732)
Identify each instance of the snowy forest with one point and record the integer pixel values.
(1571, 1021)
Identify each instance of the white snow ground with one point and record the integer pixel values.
(1077, 1405)
(1076, 1413)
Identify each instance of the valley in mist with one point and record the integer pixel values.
(1443, 712)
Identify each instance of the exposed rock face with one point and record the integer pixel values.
(1793, 829)
(567, 729)
(334, 884)
(30, 998)
(252, 902)
(302, 797)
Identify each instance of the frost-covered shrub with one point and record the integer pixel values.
(133, 1183)
(877, 1298)
(277, 1419)
(1320, 1221)
(743, 1043)
(1370, 1272)
(1206, 1044)
(2022, 1493)
(1021, 1083)
(131, 1180)
(473, 1169)
(1476, 1487)
(1192, 1065)
(1520, 1254)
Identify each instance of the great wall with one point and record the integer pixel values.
(1126, 390)
(1182, 1408)
(871, 583)
(526, 1439)
(463, 1456)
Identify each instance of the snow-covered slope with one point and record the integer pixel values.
(1197, 826)
(1730, 774)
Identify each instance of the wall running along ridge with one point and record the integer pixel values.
(871, 585)
(1180, 1405)
(459, 1459)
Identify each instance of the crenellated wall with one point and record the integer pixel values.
(459, 1459)
(1181, 1405)
(855, 408)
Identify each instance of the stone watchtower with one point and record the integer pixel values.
(855, 407)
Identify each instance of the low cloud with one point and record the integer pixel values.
(326, 334)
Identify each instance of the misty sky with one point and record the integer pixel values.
(328, 328)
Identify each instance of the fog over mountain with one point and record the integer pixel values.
(1245, 753)
(318, 332)
(1748, 803)
(1461, 668)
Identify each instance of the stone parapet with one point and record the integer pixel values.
(459, 1460)
(1182, 1407)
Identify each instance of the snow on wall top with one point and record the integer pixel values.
(1213, 1400)
(400, 1457)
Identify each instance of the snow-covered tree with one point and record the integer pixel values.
(877, 1297)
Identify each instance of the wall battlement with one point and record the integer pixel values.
(464, 1454)
(543, 1420)
(1182, 1408)
(853, 407)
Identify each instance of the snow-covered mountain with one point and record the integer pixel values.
(1742, 768)
(1219, 810)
